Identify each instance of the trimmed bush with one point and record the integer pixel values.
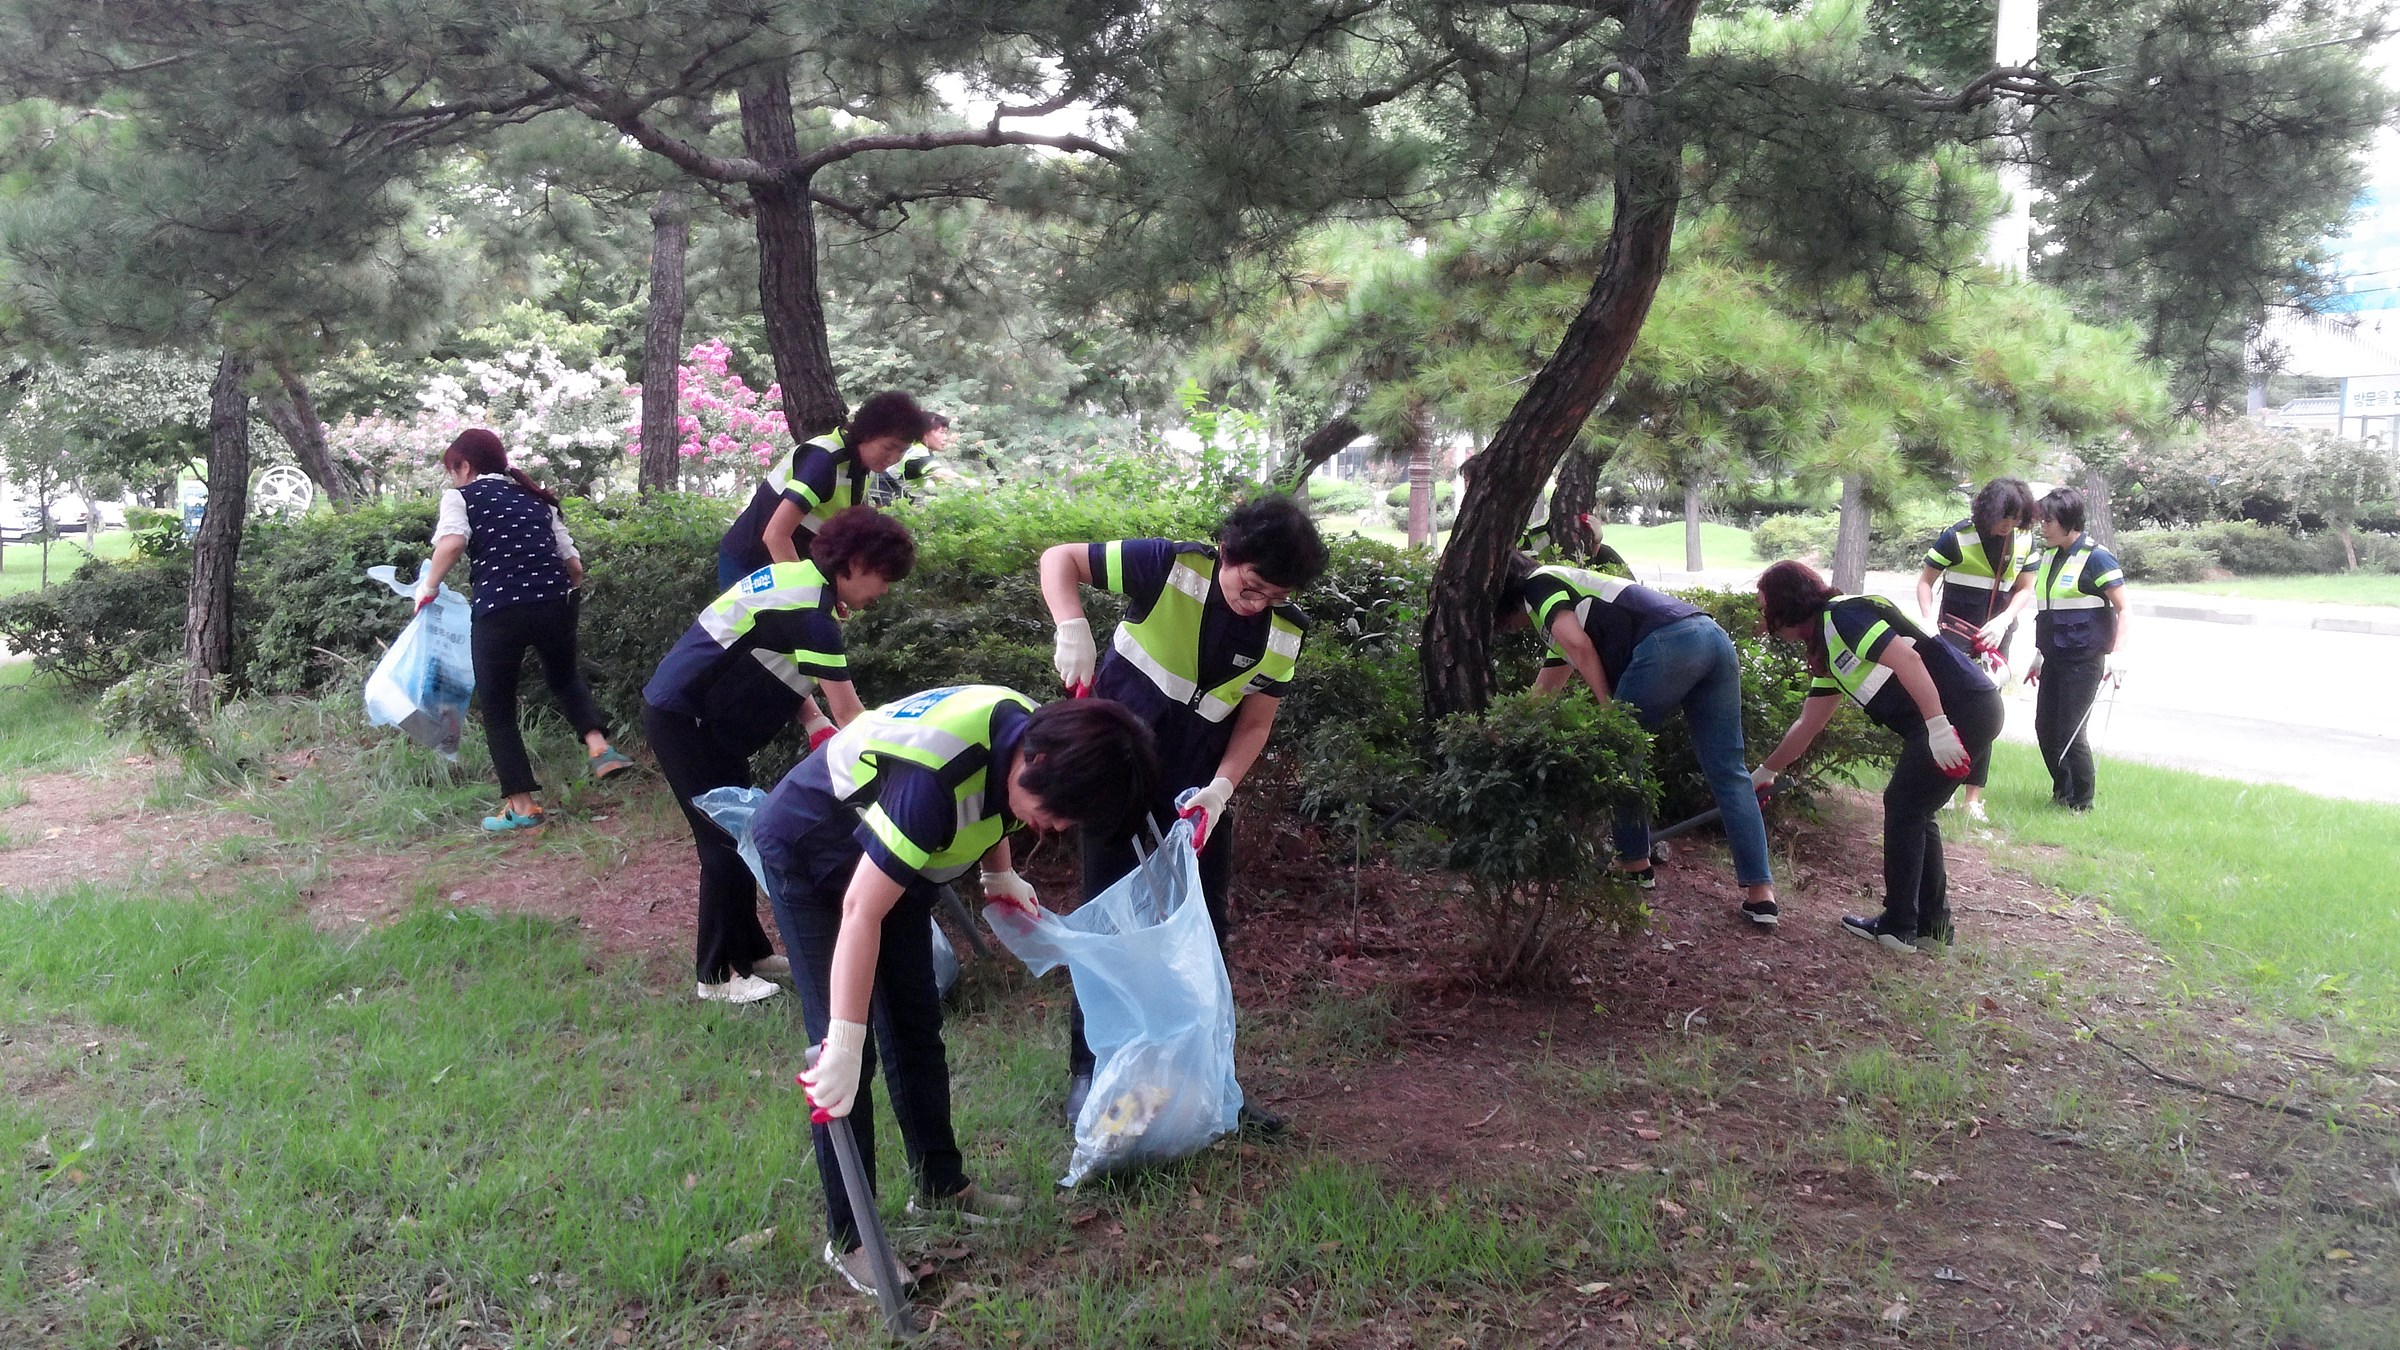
(1338, 497)
(107, 621)
(321, 621)
(1808, 538)
(2163, 555)
(650, 568)
(2251, 550)
(1522, 795)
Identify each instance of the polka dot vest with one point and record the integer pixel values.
(515, 556)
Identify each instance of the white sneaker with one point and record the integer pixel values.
(739, 989)
(776, 967)
(1975, 812)
(858, 1271)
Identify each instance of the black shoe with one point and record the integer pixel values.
(1935, 934)
(1078, 1088)
(1259, 1123)
(1646, 878)
(1877, 931)
(1761, 912)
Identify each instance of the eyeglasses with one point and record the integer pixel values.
(1252, 591)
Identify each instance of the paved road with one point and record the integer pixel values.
(2259, 691)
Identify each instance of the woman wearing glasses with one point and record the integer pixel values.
(1207, 647)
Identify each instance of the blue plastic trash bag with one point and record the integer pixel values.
(1157, 1009)
(732, 808)
(426, 677)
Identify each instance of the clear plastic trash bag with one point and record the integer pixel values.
(732, 809)
(1157, 1009)
(426, 677)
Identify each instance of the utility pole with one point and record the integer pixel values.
(2016, 36)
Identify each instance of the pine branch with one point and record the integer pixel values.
(943, 140)
(624, 112)
(2021, 84)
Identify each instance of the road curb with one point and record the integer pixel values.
(2272, 618)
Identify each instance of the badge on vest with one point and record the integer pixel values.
(921, 704)
(761, 580)
(1239, 660)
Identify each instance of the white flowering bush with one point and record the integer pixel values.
(560, 424)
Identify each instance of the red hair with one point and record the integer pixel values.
(481, 450)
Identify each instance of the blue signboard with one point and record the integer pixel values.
(2368, 259)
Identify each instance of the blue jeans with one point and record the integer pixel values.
(810, 872)
(1691, 664)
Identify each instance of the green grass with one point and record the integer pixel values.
(44, 729)
(2289, 895)
(21, 564)
(2352, 588)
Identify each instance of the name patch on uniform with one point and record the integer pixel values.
(1240, 660)
(918, 705)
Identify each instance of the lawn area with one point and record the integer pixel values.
(232, 1117)
(2352, 588)
(2292, 896)
(21, 564)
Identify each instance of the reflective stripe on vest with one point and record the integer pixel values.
(1585, 586)
(2062, 587)
(1974, 567)
(849, 480)
(776, 586)
(948, 731)
(1859, 677)
(1165, 645)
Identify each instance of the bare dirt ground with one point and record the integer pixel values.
(1953, 1151)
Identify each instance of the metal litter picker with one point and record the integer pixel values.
(898, 1316)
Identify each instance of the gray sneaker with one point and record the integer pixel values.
(974, 1204)
(854, 1268)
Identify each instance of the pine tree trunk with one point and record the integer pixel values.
(1850, 540)
(1577, 493)
(662, 344)
(1456, 653)
(2349, 547)
(1691, 525)
(1320, 445)
(294, 417)
(1420, 481)
(2097, 521)
(786, 224)
(216, 552)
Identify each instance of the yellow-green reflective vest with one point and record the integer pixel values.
(1585, 585)
(2061, 586)
(1973, 569)
(849, 480)
(776, 586)
(948, 731)
(1165, 645)
(1858, 677)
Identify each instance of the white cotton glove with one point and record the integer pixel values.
(1762, 777)
(1949, 752)
(1203, 807)
(1012, 888)
(1993, 632)
(1075, 658)
(2117, 665)
(832, 1084)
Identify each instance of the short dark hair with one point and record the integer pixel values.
(1273, 535)
(939, 419)
(2003, 497)
(1791, 592)
(868, 538)
(1512, 586)
(1091, 761)
(890, 413)
(2064, 505)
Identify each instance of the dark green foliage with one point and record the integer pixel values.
(321, 620)
(2245, 548)
(149, 706)
(1522, 794)
(1337, 496)
(155, 533)
(106, 622)
(650, 568)
(2163, 555)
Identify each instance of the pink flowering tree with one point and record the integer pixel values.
(728, 433)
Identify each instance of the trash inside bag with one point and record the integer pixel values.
(426, 677)
(1157, 1009)
(732, 808)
